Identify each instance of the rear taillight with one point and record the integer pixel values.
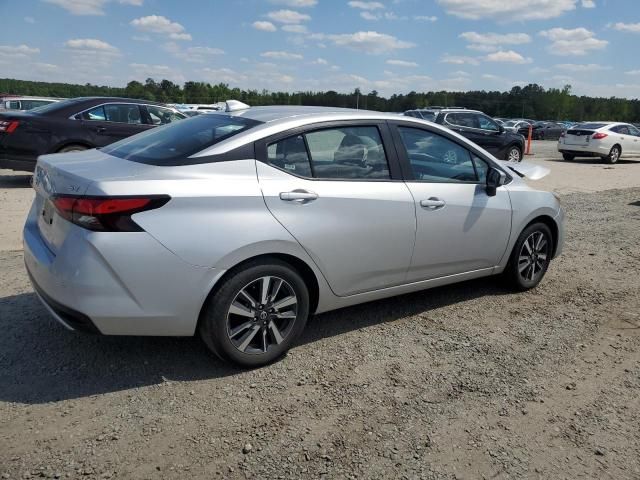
(8, 126)
(563, 134)
(599, 136)
(106, 214)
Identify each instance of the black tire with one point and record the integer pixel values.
(514, 154)
(521, 279)
(568, 157)
(614, 155)
(215, 324)
(72, 148)
(540, 135)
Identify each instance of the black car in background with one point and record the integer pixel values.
(480, 129)
(73, 125)
(544, 130)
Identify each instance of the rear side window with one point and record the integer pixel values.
(161, 116)
(333, 153)
(173, 143)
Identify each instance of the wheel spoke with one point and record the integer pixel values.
(523, 267)
(277, 337)
(542, 256)
(527, 246)
(264, 340)
(239, 309)
(248, 298)
(239, 329)
(539, 242)
(264, 290)
(246, 339)
(276, 289)
(532, 272)
(285, 302)
(285, 315)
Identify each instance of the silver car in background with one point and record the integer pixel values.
(240, 224)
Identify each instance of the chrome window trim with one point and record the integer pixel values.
(72, 117)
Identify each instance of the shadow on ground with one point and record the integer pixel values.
(41, 362)
(15, 181)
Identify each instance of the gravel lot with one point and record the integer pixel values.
(469, 381)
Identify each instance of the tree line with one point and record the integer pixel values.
(530, 101)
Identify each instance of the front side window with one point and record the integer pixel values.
(487, 124)
(172, 144)
(434, 158)
(633, 131)
(162, 116)
(123, 113)
(14, 105)
(333, 153)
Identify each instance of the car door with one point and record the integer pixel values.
(620, 134)
(105, 124)
(460, 228)
(634, 140)
(338, 190)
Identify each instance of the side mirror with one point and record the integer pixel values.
(501, 129)
(495, 178)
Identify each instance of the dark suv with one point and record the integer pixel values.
(477, 127)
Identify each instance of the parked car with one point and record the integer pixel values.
(516, 126)
(74, 125)
(607, 140)
(482, 130)
(544, 130)
(239, 225)
(24, 103)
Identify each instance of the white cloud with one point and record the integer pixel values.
(366, 5)
(369, 42)
(632, 72)
(590, 67)
(627, 27)
(18, 50)
(459, 60)
(576, 41)
(508, 56)
(280, 55)
(320, 61)
(401, 63)
(588, 4)
(161, 25)
(30, 20)
(288, 16)
(90, 44)
(507, 10)
(264, 26)
(89, 7)
(491, 41)
(425, 18)
(295, 28)
(536, 70)
(296, 3)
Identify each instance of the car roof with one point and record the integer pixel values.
(272, 114)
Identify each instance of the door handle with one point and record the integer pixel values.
(432, 203)
(101, 129)
(301, 196)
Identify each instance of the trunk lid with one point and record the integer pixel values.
(578, 136)
(71, 174)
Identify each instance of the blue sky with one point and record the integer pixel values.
(392, 46)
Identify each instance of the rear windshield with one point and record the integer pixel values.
(589, 126)
(168, 144)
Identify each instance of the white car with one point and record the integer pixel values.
(607, 140)
(515, 125)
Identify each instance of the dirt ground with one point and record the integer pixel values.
(461, 382)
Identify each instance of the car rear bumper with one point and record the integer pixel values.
(584, 150)
(116, 283)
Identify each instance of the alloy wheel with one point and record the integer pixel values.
(534, 255)
(514, 155)
(261, 315)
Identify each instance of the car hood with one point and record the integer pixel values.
(526, 169)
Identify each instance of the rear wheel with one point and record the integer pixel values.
(257, 313)
(614, 155)
(72, 148)
(568, 157)
(530, 257)
(514, 154)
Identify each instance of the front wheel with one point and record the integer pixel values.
(568, 157)
(256, 314)
(514, 154)
(530, 257)
(72, 148)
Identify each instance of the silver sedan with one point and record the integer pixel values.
(240, 224)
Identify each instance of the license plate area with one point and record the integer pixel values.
(47, 213)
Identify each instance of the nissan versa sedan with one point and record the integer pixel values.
(238, 225)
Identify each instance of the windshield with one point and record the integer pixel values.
(168, 145)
